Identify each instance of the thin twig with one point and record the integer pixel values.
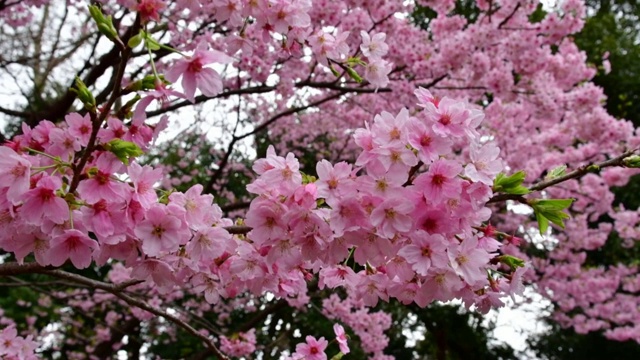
(115, 289)
(506, 20)
(579, 172)
(97, 121)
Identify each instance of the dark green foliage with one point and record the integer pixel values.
(617, 34)
(423, 15)
(194, 158)
(611, 27)
(450, 332)
(559, 343)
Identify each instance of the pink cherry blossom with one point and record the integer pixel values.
(373, 46)
(467, 260)
(150, 9)
(143, 179)
(485, 164)
(155, 270)
(313, 349)
(341, 338)
(73, 245)
(196, 75)
(426, 251)
(392, 217)
(441, 181)
(102, 184)
(43, 202)
(160, 231)
(377, 72)
(429, 145)
(334, 181)
(449, 118)
(15, 172)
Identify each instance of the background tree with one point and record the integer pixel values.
(610, 28)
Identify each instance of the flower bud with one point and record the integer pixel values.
(632, 161)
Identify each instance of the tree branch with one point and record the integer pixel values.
(579, 172)
(115, 289)
(506, 20)
(209, 186)
(583, 170)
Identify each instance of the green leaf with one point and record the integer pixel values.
(105, 24)
(557, 172)
(511, 261)
(84, 94)
(151, 43)
(123, 150)
(136, 40)
(509, 181)
(307, 179)
(556, 217)
(550, 210)
(632, 161)
(354, 75)
(543, 223)
(518, 190)
(510, 184)
(334, 71)
(551, 204)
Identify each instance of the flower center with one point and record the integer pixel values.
(158, 231)
(19, 170)
(195, 66)
(445, 119)
(426, 251)
(390, 213)
(395, 134)
(425, 140)
(438, 179)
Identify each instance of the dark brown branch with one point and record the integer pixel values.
(506, 20)
(115, 289)
(106, 109)
(202, 98)
(433, 82)
(262, 315)
(583, 170)
(59, 109)
(13, 268)
(214, 178)
(291, 111)
(578, 173)
(505, 197)
(265, 89)
(235, 206)
(237, 230)
(461, 88)
(20, 114)
(412, 172)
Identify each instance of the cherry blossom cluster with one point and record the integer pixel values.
(264, 19)
(412, 234)
(314, 349)
(19, 13)
(386, 215)
(241, 344)
(13, 346)
(367, 325)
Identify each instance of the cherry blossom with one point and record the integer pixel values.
(194, 73)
